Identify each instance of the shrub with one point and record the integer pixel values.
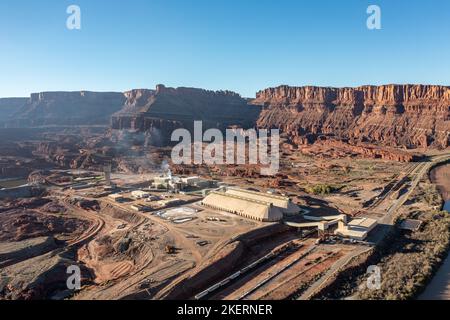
(321, 189)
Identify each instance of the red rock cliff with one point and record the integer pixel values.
(396, 115)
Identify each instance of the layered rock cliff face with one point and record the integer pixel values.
(9, 106)
(67, 108)
(394, 115)
(166, 109)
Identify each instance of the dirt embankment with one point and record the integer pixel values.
(14, 252)
(233, 255)
(34, 251)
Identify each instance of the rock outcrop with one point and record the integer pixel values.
(67, 108)
(331, 148)
(408, 116)
(166, 109)
(9, 106)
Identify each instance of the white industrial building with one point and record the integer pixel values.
(190, 181)
(252, 205)
(180, 183)
(357, 229)
(117, 197)
(139, 194)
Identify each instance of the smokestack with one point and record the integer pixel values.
(107, 171)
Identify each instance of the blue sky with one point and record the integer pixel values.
(240, 45)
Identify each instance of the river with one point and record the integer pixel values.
(447, 206)
(439, 287)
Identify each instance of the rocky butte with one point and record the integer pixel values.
(66, 108)
(406, 116)
(8, 106)
(166, 109)
(411, 116)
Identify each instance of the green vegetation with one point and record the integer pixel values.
(321, 189)
(430, 195)
(411, 261)
(408, 260)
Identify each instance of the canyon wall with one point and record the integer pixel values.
(9, 106)
(411, 116)
(166, 109)
(67, 108)
(408, 116)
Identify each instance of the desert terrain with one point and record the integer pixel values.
(72, 194)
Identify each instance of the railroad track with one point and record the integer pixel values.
(222, 285)
(319, 284)
(276, 274)
(417, 173)
(396, 185)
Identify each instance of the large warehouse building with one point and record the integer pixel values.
(253, 205)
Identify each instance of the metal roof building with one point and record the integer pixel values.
(358, 228)
(283, 203)
(253, 205)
